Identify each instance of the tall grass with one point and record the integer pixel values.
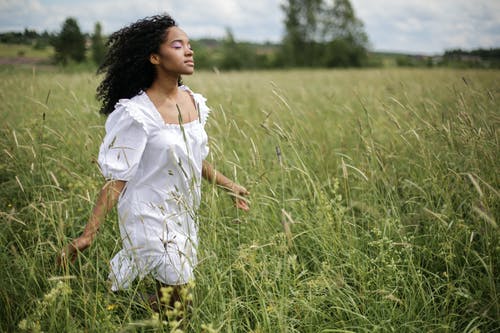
(375, 201)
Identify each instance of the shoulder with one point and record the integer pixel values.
(199, 98)
(200, 101)
(133, 110)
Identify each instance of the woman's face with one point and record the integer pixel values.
(175, 55)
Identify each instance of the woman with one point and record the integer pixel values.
(152, 155)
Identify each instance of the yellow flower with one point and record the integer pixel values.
(165, 294)
(111, 307)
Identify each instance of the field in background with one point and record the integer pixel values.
(374, 193)
(24, 55)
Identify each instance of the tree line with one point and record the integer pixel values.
(318, 33)
(70, 44)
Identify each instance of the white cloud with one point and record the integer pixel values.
(429, 26)
(249, 20)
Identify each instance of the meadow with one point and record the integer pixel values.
(375, 202)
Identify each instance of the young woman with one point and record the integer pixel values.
(152, 155)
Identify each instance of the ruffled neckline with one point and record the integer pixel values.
(174, 125)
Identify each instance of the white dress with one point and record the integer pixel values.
(161, 164)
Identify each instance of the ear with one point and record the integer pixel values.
(154, 58)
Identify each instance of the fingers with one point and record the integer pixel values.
(68, 255)
(242, 204)
(62, 259)
(239, 201)
(242, 191)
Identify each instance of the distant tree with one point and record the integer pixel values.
(322, 33)
(42, 41)
(98, 46)
(28, 37)
(230, 59)
(340, 22)
(235, 55)
(344, 34)
(301, 22)
(202, 55)
(404, 61)
(69, 44)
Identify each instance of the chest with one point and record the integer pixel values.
(186, 139)
(181, 112)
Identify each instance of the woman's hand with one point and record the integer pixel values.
(70, 251)
(107, 199)
(238, 193)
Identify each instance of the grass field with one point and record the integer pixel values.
(16, 50)
(375, 204)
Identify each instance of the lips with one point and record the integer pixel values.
(189, 62)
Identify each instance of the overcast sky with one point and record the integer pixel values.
(412, 26)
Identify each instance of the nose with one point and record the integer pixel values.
(189, 51)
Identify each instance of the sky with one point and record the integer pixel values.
(407, 26)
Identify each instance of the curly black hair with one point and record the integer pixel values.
(126, 65)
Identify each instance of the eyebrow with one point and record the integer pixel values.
(179, 40)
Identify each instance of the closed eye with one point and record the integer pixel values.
(176, 45)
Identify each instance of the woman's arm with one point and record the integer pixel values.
(237, 191)
(107, 199)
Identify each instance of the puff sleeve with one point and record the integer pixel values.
(122, 147)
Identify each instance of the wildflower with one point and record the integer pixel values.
(185, 292)
(174, 324)
(166, 293)
(23, 325)
(171, 313)
(60, 289)
(111, 307)
(208, 328)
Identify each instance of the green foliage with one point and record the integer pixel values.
(374, 205)
(330, 37)
(479, 58)
(203, 54)
(343, 53)
(69, 44)
(320, 33)
(27, 37)
(234, 55)
(229, 54)
(98, 47)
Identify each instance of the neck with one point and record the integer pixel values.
(166, 85)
